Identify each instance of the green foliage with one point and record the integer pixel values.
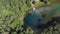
(12, 13)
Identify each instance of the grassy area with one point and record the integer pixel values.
(12, 13)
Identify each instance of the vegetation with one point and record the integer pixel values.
(11, 16)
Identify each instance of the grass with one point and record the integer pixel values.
(12, 13)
